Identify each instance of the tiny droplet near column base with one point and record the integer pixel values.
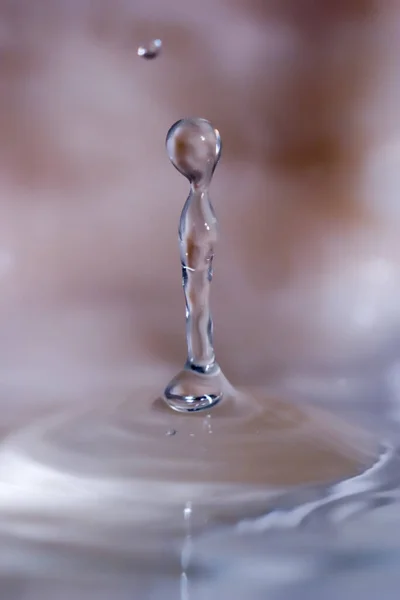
(190, 391)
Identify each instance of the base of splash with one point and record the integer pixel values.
(137, 462)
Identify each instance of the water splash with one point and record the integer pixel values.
(194, 148)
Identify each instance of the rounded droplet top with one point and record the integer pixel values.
(194, 148)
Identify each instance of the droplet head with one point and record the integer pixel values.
(194, 148)
(151, 51)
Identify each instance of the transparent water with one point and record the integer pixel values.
(194, 148)
(63, 535)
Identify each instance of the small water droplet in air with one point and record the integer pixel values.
(170, 432)
(151, 51)
(191, 434)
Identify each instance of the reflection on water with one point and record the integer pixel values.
(94, 503)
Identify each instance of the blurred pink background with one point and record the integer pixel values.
(307, 270)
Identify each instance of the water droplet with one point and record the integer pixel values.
(194, 148)
(171, 432)
(151, 51)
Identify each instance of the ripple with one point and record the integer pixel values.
(105, 492)
(230, 462)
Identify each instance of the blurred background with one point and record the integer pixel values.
(305, 95)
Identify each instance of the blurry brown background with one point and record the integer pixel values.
(305, 94)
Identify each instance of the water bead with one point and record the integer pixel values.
(194, 148)
(151, 51)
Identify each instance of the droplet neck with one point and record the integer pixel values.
(201, 182)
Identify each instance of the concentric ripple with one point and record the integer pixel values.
(229, 462)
